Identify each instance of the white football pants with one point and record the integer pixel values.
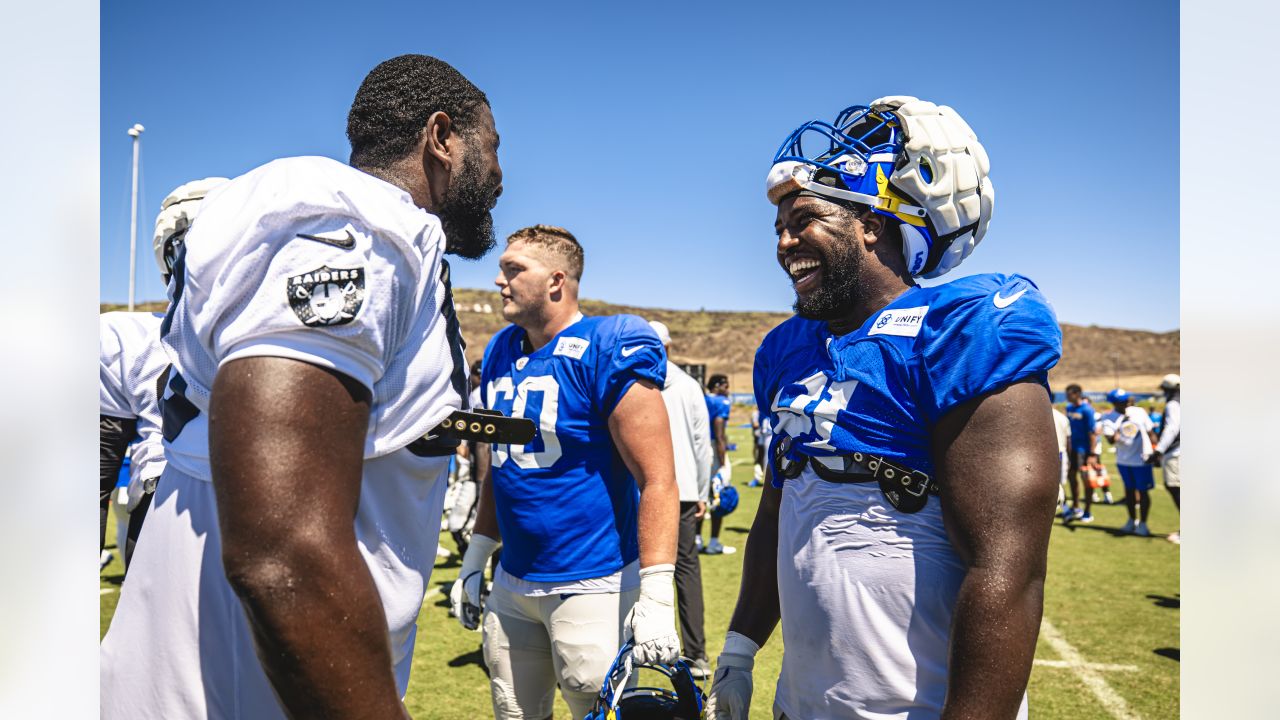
(531, 644)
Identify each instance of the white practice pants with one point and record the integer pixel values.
(531, 644)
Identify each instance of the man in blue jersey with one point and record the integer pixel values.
(721, 472)
(587, 512)
(1084, 436)
(913, 468)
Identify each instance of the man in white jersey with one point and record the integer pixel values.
(1168, 449)
(314, 344)
(902, 537)
(130, 364)
(587, 511)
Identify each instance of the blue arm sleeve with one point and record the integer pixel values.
(631, 352)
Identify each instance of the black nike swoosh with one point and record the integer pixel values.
(346, 244)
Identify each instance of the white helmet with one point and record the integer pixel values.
(904, 158)
(177, 211)
(1171, 382)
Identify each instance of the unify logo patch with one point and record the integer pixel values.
(904, 322)
(327, 296)
(571, 347)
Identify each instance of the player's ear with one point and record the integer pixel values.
(873, 228)
(555, 283)
(440, 144)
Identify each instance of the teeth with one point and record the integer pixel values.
(800, 265)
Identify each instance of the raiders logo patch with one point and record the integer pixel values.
(327, 296)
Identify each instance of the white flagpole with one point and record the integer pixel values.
(134, 132)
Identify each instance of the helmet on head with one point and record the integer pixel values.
(904, 158)
(1118, 396)
(177, 211)
(683, 702)
(1171, 382)
(725, 501)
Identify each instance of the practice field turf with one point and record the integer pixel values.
(1109, 646)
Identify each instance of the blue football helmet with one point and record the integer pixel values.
(725, 501)
(618, 702)
(905, 159)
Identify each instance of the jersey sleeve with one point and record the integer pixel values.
(1090, 417)
(341, 305)
(113, 399)
(631, 352)
(988, 340)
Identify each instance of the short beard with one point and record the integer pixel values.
(841, 283)
(465, 213)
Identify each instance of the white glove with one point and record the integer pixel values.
(651, 624)
(464, 596)
(138, 488)
(730, 697)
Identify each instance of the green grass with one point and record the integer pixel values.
(1113, 598)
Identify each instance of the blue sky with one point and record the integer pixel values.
(647, 128)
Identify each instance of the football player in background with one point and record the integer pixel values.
(587, 512)
(1062, 426)
(902, 540)
(1129, 428)
(1168, 449)
(314, 344)
(721, 471)
(130, 364)
(1084, 440)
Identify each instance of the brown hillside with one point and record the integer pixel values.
(727, 342)
(1097, 358)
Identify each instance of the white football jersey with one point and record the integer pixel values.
(308, 259)
(130, 363)
(347, 274)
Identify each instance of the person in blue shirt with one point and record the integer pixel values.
(721, 472)
(902, 537)
(587, 512)
(1084, 436)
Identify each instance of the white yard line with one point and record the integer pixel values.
(104, 591)
(1087, 672)
(431, 593)
(1100, 667)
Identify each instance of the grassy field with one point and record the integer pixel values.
(1111, 605)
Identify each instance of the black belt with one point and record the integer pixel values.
(907, 490)
(479, 425)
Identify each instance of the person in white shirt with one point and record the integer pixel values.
(1063, 427)
(691, 442)
(131, 361)
(316, 354)
(1129, 428)
(1168, 450)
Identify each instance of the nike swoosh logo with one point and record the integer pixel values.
(1004, 302)
(628, 352)
(346, 242)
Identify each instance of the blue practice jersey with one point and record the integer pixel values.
(566, 503)
(1083, 419)
(717, 407)
(882, 388)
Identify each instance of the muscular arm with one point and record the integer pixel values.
(286, 442)
(998, 466)
(757, 612)
(642, 433)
